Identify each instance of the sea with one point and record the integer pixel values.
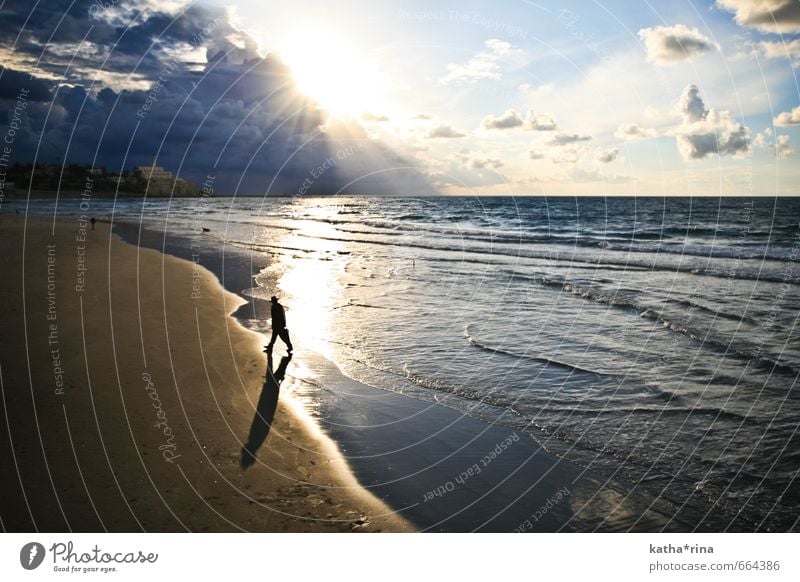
(652, 340)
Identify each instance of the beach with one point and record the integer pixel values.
(128, 391)
(445, 378)
(135, 390)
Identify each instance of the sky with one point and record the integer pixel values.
(506, 97)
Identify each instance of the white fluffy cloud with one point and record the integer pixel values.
(781, 145)
(667, 45)
(374, 118)
(788, 117)
(786, 49)
(568, 155)
(484, 65)
(462, 170)
(512, 119)
(508, 120)
(607, 156)
(537, 91)
(708, 131)
(478, 163)
(691, 105)
(562, 139)
(540, 122)
(445, 130)
(777, 16)
(632, 131)
(481, 163)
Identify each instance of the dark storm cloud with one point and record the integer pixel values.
(184, 85)
(12, 82)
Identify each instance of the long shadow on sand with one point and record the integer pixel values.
(265, 411)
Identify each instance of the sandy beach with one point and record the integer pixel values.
(128, 391)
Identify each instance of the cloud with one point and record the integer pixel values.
(374, 118)
(140, 38)
(562, 139)
(632, 131)
(776, 16)
(536, 155)
(787, 49)
(607, 156)
(423, 117)
(540, 122)
(783, 147)
(185, 84)
(484, 65)
(708, 131)
(780, 144)
(691, 105)
(568, 155)
(464, 171)
(118, 13)
(537, 91)
(13, 82)
(512, 119)
(445, 130)
(499, 47)
(508, 120)
(788, 117)
(595, 175)
(479, 164)
(667, 45)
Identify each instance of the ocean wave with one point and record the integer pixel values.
(728, 347)
(707, 411)
(759, 274)
(613, 239)
(548, 361)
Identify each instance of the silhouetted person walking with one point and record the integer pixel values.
(279, 326)
(93, 221)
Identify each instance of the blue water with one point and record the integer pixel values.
(652, 340)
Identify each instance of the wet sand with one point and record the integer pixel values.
(128, 391)
(448, 472)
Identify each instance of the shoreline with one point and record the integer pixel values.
(450, 472)
(128, 399)
(405, 449)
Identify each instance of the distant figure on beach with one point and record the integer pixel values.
(93, 221)
(279, 326)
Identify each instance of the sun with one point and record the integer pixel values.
(330, 70)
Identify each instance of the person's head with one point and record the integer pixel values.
(274, 299)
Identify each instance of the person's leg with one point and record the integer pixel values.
(284, 333)
(272, 339)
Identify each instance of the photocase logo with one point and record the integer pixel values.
(31, 555)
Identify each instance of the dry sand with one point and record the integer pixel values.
(127, 393)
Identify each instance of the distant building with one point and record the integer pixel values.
(161, 182)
